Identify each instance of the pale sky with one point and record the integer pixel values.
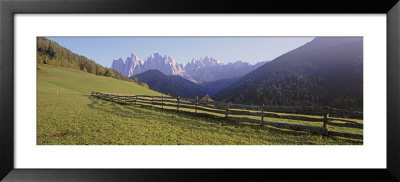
(104, 50)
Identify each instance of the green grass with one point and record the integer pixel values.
(69, 81)
(281, 120)
(73, 117)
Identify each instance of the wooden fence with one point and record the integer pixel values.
(233, 111)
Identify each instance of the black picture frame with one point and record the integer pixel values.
(8, 8)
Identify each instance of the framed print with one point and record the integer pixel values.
(202, 90)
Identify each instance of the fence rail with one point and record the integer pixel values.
(234, 111)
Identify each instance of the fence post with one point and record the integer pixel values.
(262, 115)
(197, 103)
(135, 99)
(177, 107)
(227, 110)
(162, 101)
(326, 115)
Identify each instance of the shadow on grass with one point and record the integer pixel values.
(199, 122)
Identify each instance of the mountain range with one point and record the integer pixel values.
(201, 70)
(173, 85)
(209, 69)
(133, 65)
(325, 71)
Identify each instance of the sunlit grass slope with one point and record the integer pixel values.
(71, 81)
(74, 117)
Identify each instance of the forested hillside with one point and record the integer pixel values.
(325, 71)
(50, 52)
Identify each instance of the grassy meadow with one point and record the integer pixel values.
(73, 117)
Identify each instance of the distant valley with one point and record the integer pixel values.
(175, 85)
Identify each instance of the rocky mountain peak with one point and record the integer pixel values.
(155, 55)
(198, 70)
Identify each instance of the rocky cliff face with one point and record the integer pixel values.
(166, 64)
(133, 65)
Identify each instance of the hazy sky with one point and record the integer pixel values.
(104, 50)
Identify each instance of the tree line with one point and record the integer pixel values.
(50, 52)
